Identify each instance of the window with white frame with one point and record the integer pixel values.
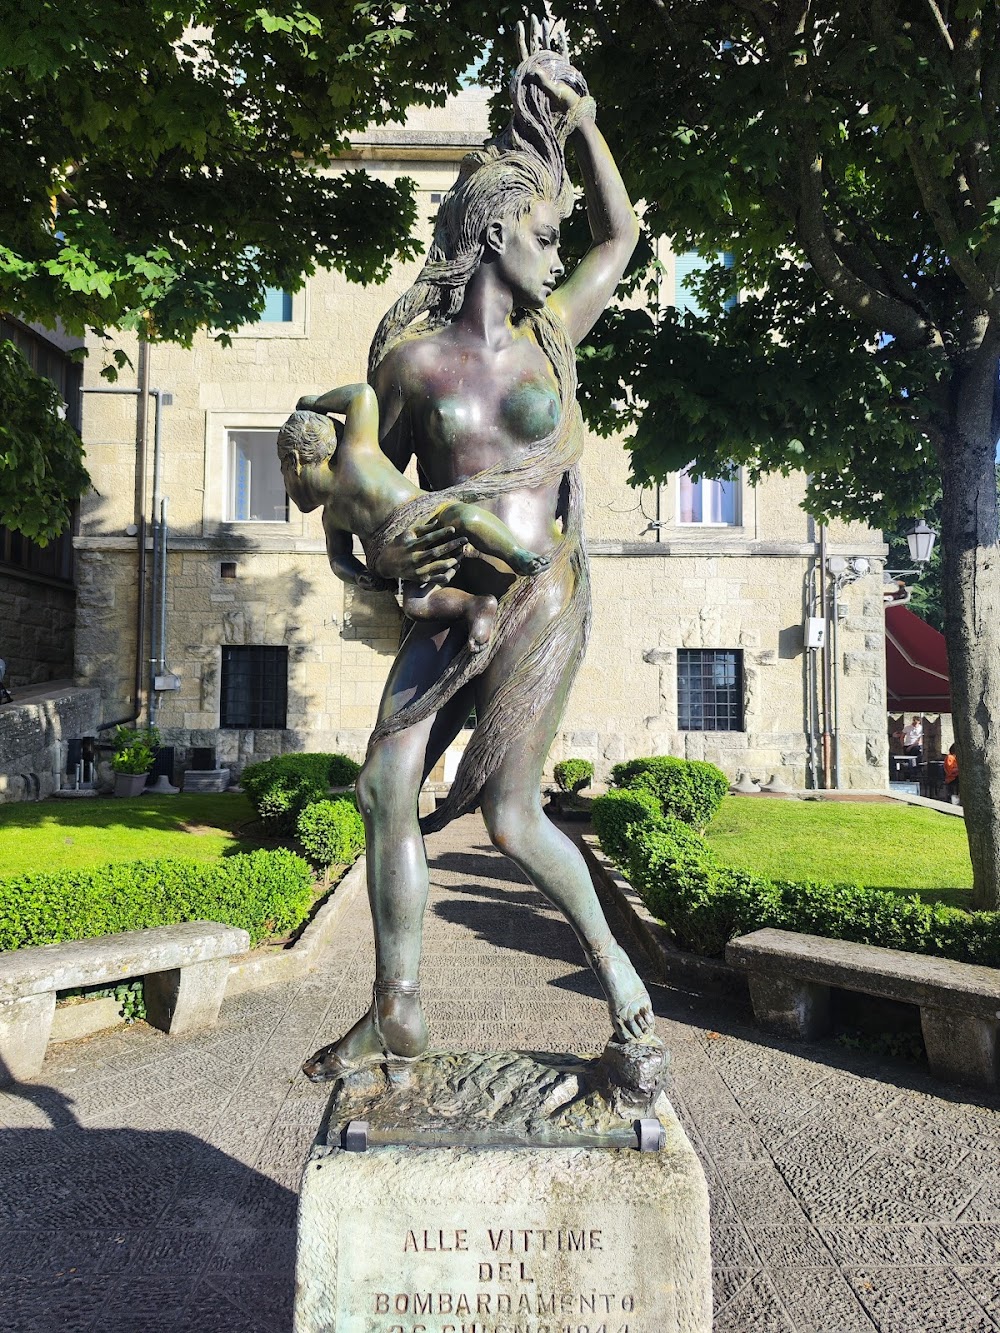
(277, 307)
(709, 500)
(688, 267)
(256, 491)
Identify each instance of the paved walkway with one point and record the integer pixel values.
(149, 1183)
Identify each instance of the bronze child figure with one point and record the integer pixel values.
(344, 470)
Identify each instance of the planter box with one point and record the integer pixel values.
(130, 784)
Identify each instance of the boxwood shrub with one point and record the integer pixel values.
(280, 788)
(332, 832)
(704, 904)
(614, 814)
(687, 789)
(264, 892)
(573, 775)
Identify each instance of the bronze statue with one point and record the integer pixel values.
(344, 470)
(482, 391)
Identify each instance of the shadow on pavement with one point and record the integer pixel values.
(121, 1230)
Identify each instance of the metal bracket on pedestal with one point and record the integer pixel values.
(356, 1136)
(646, 1135)
(651, 1135)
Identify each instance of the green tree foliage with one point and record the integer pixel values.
(41, 456)
(163, 166)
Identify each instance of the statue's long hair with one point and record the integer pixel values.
(502, 180)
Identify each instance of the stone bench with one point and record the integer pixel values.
(184, 969)
(790, 977)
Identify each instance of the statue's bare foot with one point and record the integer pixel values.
(523, 561)
(628, 1000)
(482, 620)
(394, 1028)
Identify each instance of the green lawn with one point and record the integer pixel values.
(888, 846)
(62, 835)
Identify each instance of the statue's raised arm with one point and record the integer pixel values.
(614, 228)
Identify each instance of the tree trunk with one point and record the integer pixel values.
(971, 570)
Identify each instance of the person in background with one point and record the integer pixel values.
(911, 737)
(951, 776)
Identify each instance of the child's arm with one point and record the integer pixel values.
(344, 562)
(491, 535)
(356, 403)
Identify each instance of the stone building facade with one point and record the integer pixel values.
(697, 648)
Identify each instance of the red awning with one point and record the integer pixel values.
(916, 664)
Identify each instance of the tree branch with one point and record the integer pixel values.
(861, 298)
(979, 287)
(940, 24)
(885, 272)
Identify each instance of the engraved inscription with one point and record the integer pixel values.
(495, 1279)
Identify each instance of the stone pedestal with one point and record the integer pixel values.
(482, 1204)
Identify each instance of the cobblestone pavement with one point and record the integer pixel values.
(148, 1183)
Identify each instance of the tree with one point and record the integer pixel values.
(162, 167)
(847, 157)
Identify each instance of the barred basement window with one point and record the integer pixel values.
(709, 689)
(254, 688)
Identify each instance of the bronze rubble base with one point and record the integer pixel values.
(485, 1200)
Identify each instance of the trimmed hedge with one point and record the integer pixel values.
(332, 832)
(614, 814)
(704, 904)
(687, 789)
(280, 788)
(572, 775)
(264, 892)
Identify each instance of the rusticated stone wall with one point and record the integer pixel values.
(36, 629)
(34, 730)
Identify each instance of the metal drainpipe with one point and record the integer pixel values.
(164, 503)
(810, 681)
(141, 439)
(154, 649)
(834, 657)
(159, 664)
(827, 682)
(142, 393)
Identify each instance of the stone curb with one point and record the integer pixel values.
(251, 972)
(675, 967)
(927, 803)
(247, 972)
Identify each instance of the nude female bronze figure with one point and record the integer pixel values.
(482, 391)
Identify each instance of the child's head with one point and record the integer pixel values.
(307, 443)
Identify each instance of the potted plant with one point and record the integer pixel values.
(133, 758)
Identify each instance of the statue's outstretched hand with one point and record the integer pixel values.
(546, 34)
(429, 553)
